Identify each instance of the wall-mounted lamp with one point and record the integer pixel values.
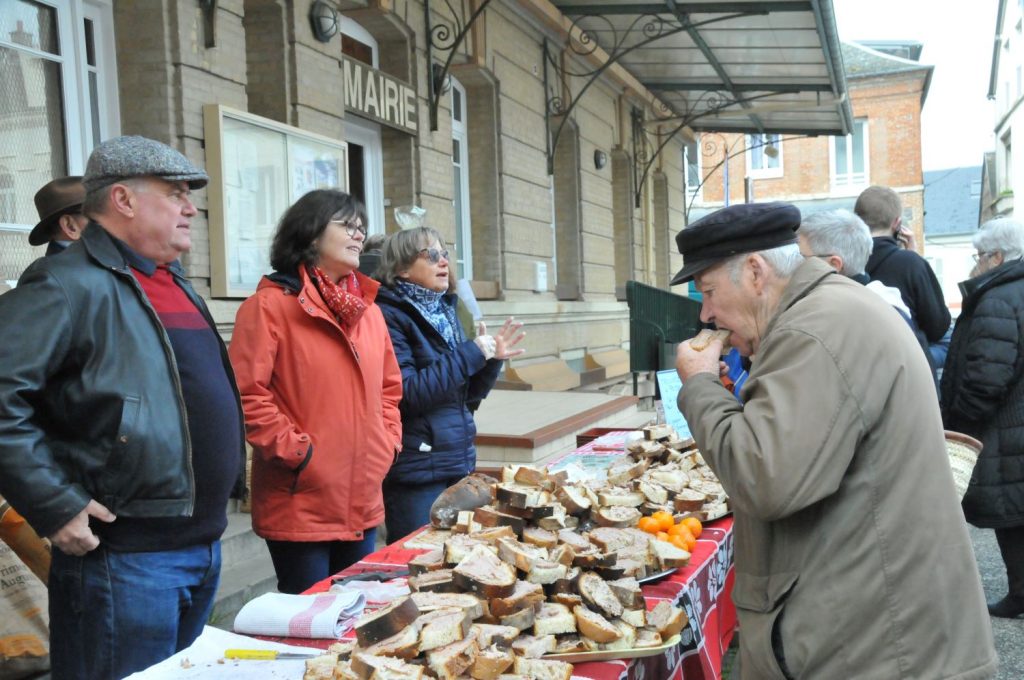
(600, 159)
(324, 19)
(771, 151)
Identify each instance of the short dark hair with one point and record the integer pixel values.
(302, 224)
(879, 207)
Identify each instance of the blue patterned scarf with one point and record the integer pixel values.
(431, 305)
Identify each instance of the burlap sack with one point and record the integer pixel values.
(24, 619)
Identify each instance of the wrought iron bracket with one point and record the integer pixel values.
(665, 128)
(581, 42)
(445, 39)
(708, 147)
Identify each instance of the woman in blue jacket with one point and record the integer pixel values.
(445, 376)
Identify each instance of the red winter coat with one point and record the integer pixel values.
(321, 411)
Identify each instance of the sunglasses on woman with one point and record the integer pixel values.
(433, 254)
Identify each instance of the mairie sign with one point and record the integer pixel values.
(376, 95)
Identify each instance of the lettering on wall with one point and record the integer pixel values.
(378, 96)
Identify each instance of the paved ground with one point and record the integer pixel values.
(1009, 635)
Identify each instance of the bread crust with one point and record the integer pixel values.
(703, 340)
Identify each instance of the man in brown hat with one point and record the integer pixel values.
(121, 435)
(833, 463)
(61, 221)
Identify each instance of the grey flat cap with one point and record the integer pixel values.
(133, 156)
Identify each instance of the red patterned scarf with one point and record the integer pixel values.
(344, 299)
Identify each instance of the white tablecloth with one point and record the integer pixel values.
(204, 654)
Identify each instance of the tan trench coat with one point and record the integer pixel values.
(848, 532)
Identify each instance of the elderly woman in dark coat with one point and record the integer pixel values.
(445, 376)
(983, 395)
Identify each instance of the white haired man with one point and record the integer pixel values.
(843, 240)
(837, 495)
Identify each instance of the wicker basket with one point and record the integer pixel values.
(963, 454)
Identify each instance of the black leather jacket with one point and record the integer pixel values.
(90, 399)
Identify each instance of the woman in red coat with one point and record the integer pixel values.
(320, 389)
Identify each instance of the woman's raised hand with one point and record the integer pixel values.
(505, 339)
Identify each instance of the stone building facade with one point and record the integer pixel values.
(554, 250)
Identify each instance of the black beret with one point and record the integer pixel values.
(743, 228)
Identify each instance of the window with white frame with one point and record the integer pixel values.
(691, 161)
(460, 182)
(850, 157)
(57, 67)
(764, 155)
(365, 146)
(1007, 164)
(357, 42)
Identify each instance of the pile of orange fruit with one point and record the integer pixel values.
(663, 526)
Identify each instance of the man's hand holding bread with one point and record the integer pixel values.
(700, 354)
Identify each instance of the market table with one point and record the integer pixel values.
(703, 588)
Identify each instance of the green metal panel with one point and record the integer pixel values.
(657, 318)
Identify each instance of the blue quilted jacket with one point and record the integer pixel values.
(441, 388)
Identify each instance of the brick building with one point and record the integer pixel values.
(550, 161)
(887, 91)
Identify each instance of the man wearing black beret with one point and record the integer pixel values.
(834, 463)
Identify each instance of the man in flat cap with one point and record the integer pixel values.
(120, 423)
(834, 464)
(61, 222)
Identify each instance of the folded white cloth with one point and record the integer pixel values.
(376, 592)
(324, 615)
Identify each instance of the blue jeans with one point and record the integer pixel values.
(299, 565)
(114, 613)
(407, 506)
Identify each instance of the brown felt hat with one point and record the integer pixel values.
(62, 196)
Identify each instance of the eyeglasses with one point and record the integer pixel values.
(350, 227)
(823, 256)
(433, 254)
(978, 257)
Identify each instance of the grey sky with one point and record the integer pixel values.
(957, 120)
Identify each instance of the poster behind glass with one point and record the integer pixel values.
(314, 166)
(255, 196)
(265, 169)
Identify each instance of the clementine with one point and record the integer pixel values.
(694, 525)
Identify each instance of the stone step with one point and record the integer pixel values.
(239, 584)
(246, 569)
(239, 544)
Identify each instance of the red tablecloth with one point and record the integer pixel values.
(702, 588)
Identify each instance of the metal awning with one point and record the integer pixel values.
(742, 66)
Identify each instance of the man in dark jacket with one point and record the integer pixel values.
(900, 267)
(120, 423)
(982, 395)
